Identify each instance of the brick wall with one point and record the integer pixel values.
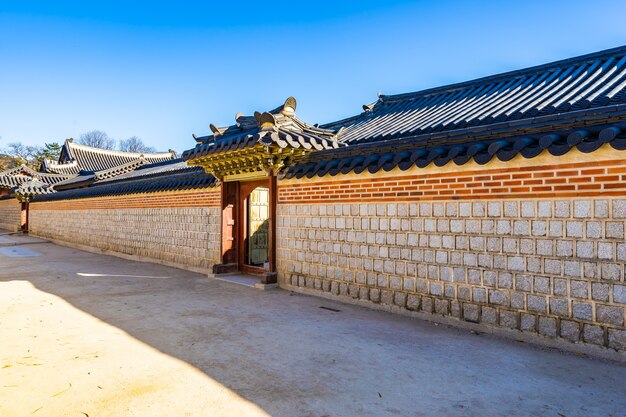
(588, 178)
(179, 229)
(10, 214)
(549, 261)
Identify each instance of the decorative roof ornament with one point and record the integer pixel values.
(263, 143)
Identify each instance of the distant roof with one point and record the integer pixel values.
(14, 177)
(585, 82)
(157, 180)
(75, 158)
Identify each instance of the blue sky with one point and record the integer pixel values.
(165, 70)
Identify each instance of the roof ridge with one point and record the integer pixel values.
(72, 144)
(518, 72)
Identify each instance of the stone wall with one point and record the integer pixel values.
(186, 235)
(555, 268)
(10, 214)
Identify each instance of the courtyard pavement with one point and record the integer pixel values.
(83, 334)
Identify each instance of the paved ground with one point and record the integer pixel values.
(84, 334)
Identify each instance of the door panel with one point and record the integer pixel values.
(258, 226)
(230, 194)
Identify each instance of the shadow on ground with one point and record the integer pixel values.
(291, 358)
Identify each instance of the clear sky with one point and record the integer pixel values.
(165, 70)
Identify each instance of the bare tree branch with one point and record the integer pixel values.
(135, 144)
(97, 139)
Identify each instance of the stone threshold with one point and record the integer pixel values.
(243, 279)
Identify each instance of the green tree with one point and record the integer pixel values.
(50, 150)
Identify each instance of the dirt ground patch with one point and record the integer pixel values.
(86, 334)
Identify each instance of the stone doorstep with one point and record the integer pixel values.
(243, 279)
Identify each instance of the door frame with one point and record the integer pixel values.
(233, 235)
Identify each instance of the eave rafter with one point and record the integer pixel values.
(268, 160)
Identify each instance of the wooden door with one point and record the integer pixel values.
(258, 227)
(230, 196)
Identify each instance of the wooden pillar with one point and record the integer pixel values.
(24, 217)
(272, 241)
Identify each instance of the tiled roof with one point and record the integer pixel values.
(372, 158)
(584, 82)
(14, 177)
(187, 179)
(75, 158)
(155, 170)
(277, 127)
(55, 167)
(31, 188)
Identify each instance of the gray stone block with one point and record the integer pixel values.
(539, 227)
(528, 322)
(544, 209)
(584, 249)
(537, 303)
(386, 297)
(518, 300)
(511, 209)
(617, 339)
(615, 230)
(505, 280)
(610, 314)
(579, 289)
(565, 248)
(521, 228)
(574, 228)
(562, 209)
(601, 209)
(464, 293)
(555, 228)
(619, 294)
(508, 319)
(599, 292)
(570, 330)
(572, 268)
(559, 286)
(559, 307)
(471, 312)
(523, 283)
(605, 250)
(442, 307)
(427, 304)
(503, 227)
(516, 263)
(552, 266)
(528, 209)
(542, 285)
(488, 315)
(593, 230)
(619, 209)
(494, 209)
(593, 334)
(480, 295)
(489, 278)
(582, 311)
(413, 302)
(465, 209)
(611, 272)
(544, 247)
(582, 209)
(399, 298)
(498, 297)
(547, 326)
